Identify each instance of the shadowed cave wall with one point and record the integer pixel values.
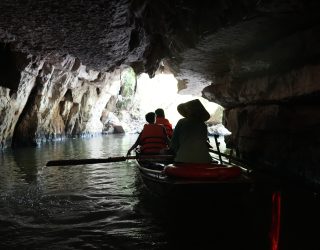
(62, 61)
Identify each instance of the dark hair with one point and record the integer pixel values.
(150, 117)
(159, 112)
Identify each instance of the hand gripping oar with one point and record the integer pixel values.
(104, 160)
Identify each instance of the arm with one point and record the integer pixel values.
(136, 144)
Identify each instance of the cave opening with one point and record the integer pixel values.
(166, 90)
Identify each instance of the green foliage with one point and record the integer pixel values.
(128, 80)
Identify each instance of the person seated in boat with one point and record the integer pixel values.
(189, 141)
(161, 120)
(153, 139)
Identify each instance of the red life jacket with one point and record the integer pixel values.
(153, 138)
(165, 122)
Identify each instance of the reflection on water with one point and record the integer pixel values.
(105, 206)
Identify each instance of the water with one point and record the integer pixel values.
(106, 206)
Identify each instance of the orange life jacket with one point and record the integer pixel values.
(153, 138)
(165, 122)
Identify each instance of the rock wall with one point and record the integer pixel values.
(14, 96)
(52, 100)
(275, 120)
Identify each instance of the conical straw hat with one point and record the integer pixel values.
(193, 109)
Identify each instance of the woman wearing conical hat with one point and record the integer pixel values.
(189, 140)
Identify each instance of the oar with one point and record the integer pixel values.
(104, 160)
(218, 148)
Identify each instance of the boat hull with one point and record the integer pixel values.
(159, 183)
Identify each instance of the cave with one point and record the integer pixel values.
(257, 59)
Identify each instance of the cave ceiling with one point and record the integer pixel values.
(202, 41)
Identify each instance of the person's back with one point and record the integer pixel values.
(161, 120)
(189, 140)
(153, 138)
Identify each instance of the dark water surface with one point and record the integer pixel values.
(106, 206)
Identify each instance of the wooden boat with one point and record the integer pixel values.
(165, 179)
